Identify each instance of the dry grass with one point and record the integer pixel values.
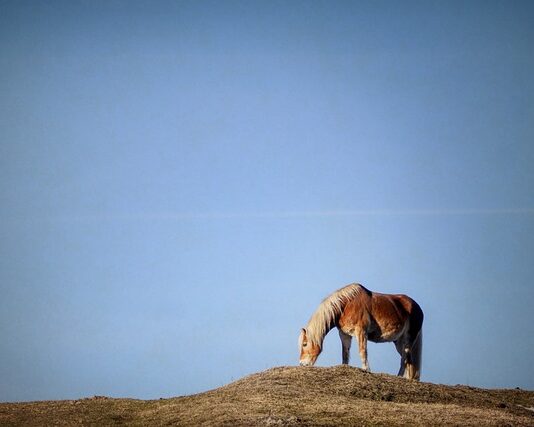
(339, 395)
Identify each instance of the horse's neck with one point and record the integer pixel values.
(319, 325)
(319, 333)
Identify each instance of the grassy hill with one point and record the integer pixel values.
(339, 395)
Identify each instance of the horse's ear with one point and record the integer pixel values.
(303, 331)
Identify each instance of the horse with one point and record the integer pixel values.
(369, 316)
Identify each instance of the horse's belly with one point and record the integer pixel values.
(384, 335)
(375, 337)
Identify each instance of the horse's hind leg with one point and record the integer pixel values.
(345, 343)
(399, 345)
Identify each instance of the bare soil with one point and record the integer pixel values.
(339, 395)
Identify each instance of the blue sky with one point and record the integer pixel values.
(181, 183)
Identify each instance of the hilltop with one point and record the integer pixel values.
(339, 395)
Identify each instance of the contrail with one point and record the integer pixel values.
(349, 213)
(184, 216)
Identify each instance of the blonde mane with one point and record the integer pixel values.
(328, 311)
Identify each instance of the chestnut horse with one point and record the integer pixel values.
(358, 312)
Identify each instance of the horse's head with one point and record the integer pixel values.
(309, 351)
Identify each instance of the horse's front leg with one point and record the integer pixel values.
(345, 344)
(362, 344)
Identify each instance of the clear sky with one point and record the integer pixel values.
(182, 182)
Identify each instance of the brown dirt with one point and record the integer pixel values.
(340, 395)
